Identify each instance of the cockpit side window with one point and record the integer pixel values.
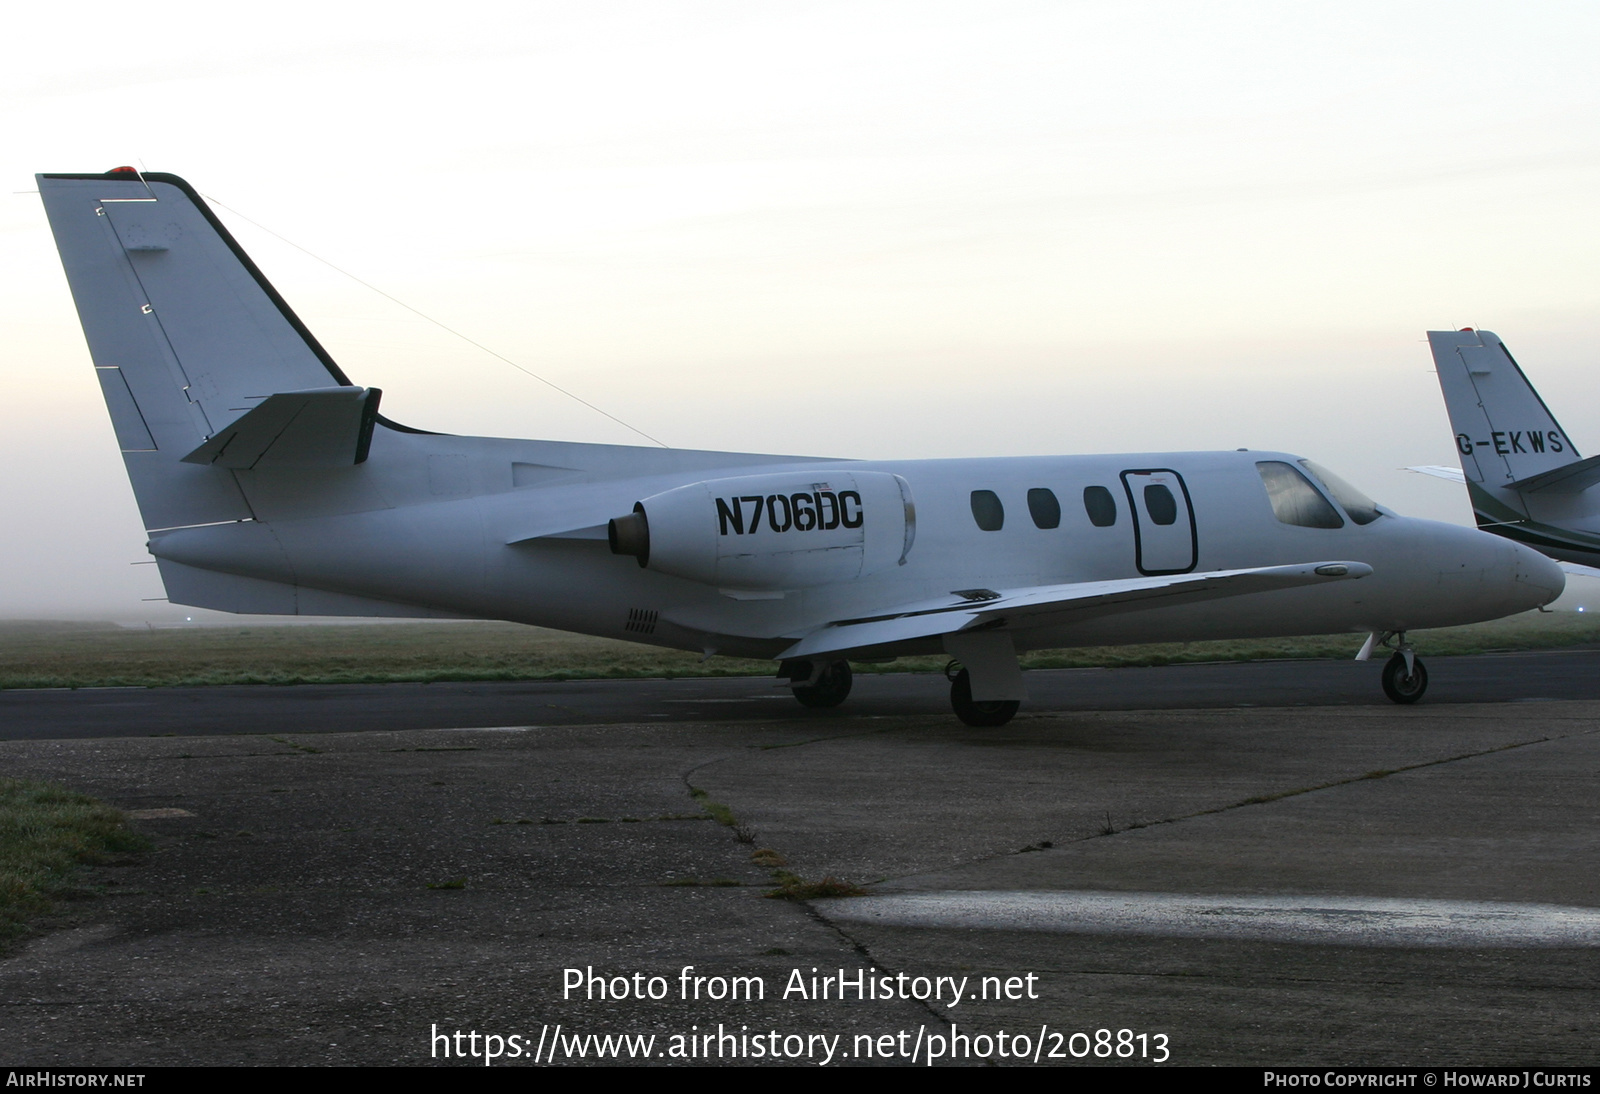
(1362, 509)
(1294, 500)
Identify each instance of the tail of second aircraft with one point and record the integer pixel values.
(1524, 475)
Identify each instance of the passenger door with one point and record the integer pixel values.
(1164, 536)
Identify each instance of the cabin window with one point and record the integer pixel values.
(1294, 499)
(1160, 504)
(1362, 509)
(987, 510)
(1044, 508)
(1100, 505)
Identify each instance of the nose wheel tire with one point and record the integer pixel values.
(1400, 686)
(831, 688)
(996, 712)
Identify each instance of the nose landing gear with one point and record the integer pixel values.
(1404, 677)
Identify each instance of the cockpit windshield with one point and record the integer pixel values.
(1362, 509)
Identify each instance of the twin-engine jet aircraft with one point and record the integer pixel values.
(1523, 474)
(269, 483)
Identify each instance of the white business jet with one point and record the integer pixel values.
(269, 483)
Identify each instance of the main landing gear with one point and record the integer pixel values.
(818, 683)
(986, 715)
(1404, 677)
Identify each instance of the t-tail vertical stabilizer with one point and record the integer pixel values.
(1524, 475)
(195, 352)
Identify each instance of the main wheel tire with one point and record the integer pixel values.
(995, 712)
(1401, 687)
(831, 689)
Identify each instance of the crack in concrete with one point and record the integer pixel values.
(1264, 799)
(1370, 776)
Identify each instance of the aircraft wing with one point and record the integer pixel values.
(969, 609)
(1452, 473)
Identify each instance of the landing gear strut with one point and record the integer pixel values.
(1404, 678)
(985, 715)
(818, 685)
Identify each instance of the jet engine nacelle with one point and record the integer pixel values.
(772, 532)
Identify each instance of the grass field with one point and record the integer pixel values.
(46, 833)
(67, 655)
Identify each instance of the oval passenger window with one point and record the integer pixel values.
(1162, 505)
(1100, 505)
(987, 510)
(1044, 508)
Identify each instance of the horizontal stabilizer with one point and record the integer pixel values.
(324, 427)
(1573, 478)
(1019, 608)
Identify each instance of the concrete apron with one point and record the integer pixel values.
(1305, 886)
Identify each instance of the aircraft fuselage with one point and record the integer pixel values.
(538, 554)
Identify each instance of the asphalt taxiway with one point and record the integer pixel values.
(206, 711)
(1346, 882)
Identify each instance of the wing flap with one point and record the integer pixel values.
(878, 632)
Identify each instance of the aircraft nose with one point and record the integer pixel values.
(1470, 575)
(1542, 575)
